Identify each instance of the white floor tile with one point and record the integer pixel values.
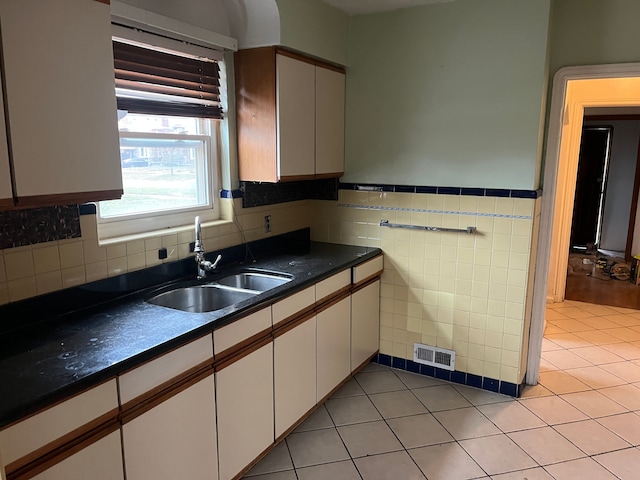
(447, 461)
(546, 446)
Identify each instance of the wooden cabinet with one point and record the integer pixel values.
(60, 102)
(61, 442)
(168, 415)
(294, 372)
(101, 460)
(176, 438)
(244, 389)
(333, 346)
(290, 111)
(365, 323)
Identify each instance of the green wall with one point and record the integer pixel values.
(593, 32)
(448, 94)
(315, 28)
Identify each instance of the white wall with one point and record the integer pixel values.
(207, 14)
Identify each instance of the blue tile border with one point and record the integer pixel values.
(87, 209)
(478, 192)
(462, 378)
(230, 193)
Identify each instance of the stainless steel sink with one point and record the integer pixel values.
(201, 298)
(255, 280)
(220, 293)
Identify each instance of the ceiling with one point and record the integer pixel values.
(363, 7)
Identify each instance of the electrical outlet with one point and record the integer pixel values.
(162, 253)
(267, 223)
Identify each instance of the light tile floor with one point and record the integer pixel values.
(581, 422)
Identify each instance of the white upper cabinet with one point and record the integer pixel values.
(295, 98)
(330, 101)
(60, 101)
(290, 116)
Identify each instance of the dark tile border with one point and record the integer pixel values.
(230, 193)
(38, 225)
(463, 378)
(477, 192)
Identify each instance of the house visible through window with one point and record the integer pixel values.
(169, 114)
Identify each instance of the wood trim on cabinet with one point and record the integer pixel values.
(238, 347)
(365, 363)
(106, 2)
(285, 326)
(296, 178)
(365, 283)
(331, 300)
(299, 313)
(54, 452)
(254, 462)
(255, 72)
(230, 360)
(6, 204)
(166, 386)
(295, 425)
(303, 57)
(322, 176)
(33, 201)
(141, 407)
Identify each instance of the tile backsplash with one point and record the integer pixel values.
(38, 225)
(466, 292)
(30, 270)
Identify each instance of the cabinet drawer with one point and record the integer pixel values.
(293, 305)
(48, 426)
(333, 284)
(368, 269)
(145, 378)
(241, 331)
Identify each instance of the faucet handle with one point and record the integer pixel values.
(215, 263)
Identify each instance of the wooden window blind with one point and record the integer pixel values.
(149, 81)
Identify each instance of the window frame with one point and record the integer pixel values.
(158, 222)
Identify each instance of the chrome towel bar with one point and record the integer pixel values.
(385, 223)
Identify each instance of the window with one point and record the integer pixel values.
(170, 108)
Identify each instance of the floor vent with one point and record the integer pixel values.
(434, 356)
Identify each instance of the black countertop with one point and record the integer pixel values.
(49, 361)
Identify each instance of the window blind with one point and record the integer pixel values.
(149, 81)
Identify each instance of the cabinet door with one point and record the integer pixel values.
(244, 410)
(6, 192)
(330, 98)
(365, 323)
(60, 96)
(175, 439)
(333, 344)
(294, 371)
(101, 460)
(295, 94)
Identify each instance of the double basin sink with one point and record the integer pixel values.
(220, 293)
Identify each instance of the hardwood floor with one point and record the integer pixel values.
(602, 291)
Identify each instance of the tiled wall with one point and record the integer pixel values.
(466, 292)
(31, 270)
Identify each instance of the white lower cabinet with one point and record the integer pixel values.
(294, 369)
(333, 346)
(101, 460)
(244, 390)
(365, 323)
(174, 439)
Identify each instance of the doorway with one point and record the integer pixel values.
(574, 89)
(588, 207)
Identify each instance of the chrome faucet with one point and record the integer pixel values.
(204, 266)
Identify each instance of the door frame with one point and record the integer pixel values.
(574, 89)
